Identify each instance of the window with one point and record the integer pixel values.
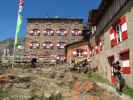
(118, 32)
(74, 53)
(61, 45)
(99, 44)
(60, 57)
(123, 26)
(48, 32)
(61, 32)
(113, 37)
(34, 45)
(93, 29)
(124, 58)
(97, 49)
(90, 50)
(85, 53)
(111, 59)
(76, 32)
(48, 45)
(35, 32)
(80, 52)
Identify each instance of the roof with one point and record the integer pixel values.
(55, 19)
(74, 43)
(96, 14)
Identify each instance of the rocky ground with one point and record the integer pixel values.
(50, 83)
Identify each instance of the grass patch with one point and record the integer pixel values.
(128, 91)
(97, 78)
(3, 94)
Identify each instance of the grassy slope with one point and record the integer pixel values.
(97, 78)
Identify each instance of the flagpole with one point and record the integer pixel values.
(18, 28)
(14, 47)
(13, 56)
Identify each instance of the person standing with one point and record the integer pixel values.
(33, 62)
(120, 79)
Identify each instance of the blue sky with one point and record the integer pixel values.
(40, 8)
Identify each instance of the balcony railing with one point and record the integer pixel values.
(110, 14)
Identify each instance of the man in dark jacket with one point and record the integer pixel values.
(33, 62)
(120, 78)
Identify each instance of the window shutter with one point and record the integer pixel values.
(113, 37)
(125, 67)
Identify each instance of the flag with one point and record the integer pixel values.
(19, 21)
(18, 28)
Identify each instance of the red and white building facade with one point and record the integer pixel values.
(112, 39)
(47, 37)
